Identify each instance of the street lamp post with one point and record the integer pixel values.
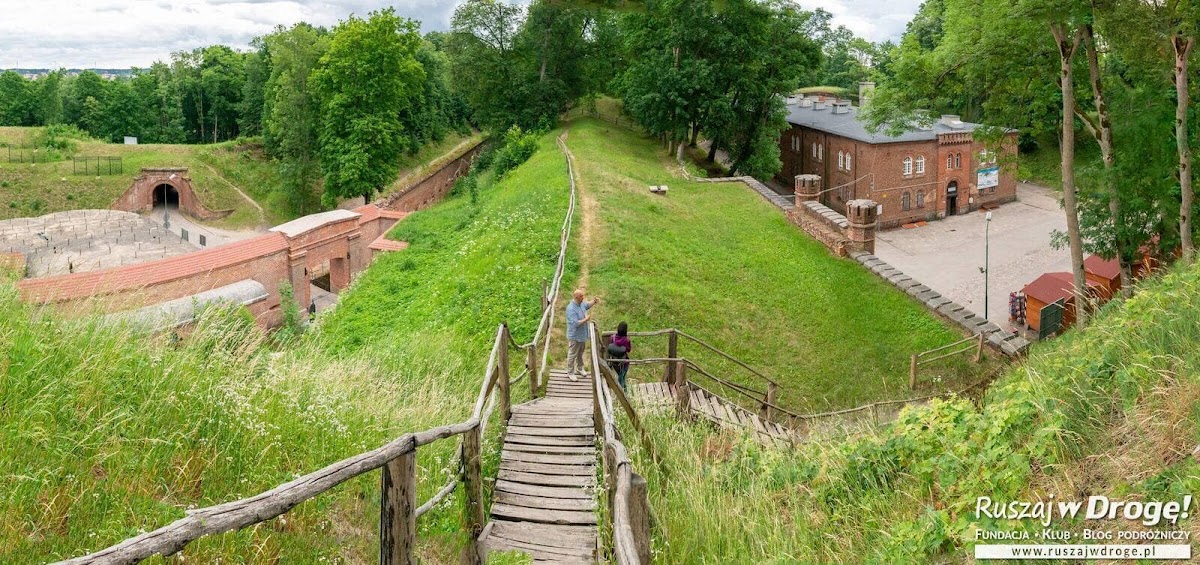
(987, 232)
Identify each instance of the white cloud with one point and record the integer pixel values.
(125, 33)
(873, 20)
(119, 34)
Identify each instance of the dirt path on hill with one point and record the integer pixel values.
(589, 218)
(262, 217)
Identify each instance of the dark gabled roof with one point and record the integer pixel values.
(847, 125)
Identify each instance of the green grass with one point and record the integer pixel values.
(719, 262)
(1110, 410)
(105, 433)
(1043, 165)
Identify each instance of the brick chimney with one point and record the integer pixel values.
(861, 233)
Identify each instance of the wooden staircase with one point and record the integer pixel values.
(544, 502)
(717, 410)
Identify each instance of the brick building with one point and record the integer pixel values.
(922, 174)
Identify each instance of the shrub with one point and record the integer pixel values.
(518, 148)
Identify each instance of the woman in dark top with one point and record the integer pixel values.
(620, 348)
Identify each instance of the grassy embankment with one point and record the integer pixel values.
(718, 261)
(106, 433)
(32, 190)
(1110, 410)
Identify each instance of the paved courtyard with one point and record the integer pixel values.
(947, 255)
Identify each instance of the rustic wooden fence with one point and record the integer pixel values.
(682, 372)
(923, 358)
(398, 508)
(628, 501)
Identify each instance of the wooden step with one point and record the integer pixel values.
(584, 431)
(547, 553)
(588, 450)
(530, 420)
(541, 491)
(553, 459)
(545, 503)
(548, 535)
(542, 516)
(546, 480)
(569, 441)
(549, 468)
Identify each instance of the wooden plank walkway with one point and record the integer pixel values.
(544, 502)
(715, 409)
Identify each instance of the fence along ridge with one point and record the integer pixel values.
(397, 457)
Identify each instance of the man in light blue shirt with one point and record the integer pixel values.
(577, 333)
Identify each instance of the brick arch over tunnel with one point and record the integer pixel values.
(140, 197)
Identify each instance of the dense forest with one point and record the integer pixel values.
(340, 104)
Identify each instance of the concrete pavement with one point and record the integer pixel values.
(947, 255)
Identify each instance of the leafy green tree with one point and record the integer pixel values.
(85, 85)
(367, 78)
(222, 76)
(484, 61)
(16, 102)
(291, 110)
(49, 99)
(257, 64)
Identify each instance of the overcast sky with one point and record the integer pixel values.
(125, 33)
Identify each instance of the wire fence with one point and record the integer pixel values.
(29, 155)
(97, 166)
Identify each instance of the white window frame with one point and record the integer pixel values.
(848, 162)
(958, 160)
(841, 161)
(908, 166)
(820, 152)
(814, 150)
(949, 161)
(920, 164)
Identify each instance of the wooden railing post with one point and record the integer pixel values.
(768, 410)
(683, 396)
(473, 487)
(545, 295)
(639, 516)
(672, 353)
(912, 373)
(531, 365)
(979, 349)
(502, 367)
(397, 510)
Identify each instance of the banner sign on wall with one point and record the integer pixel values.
(988, 177)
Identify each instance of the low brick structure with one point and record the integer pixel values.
(168, 185)
(336, 242)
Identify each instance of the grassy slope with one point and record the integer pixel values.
(104, 433)
(719, 262)
(1110, 410)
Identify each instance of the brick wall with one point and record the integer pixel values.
(876, 172)
(433, 188)
(140, 195)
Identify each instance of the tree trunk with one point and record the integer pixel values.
(1067, 46)
(1183, 49)
(695, 134)
(1104, 137)
(712, 151)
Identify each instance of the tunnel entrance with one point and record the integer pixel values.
(166, 195)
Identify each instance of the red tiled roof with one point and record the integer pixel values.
(1106, 268)
(79, 285)
(1051, 287)
(369, 212)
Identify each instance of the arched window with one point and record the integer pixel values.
(920, 199)
(921, 165)
(848, 164)
(820, 152)
(949, 162)
(908, 166)
(958, 160)
(906, 201)
(814, 150)
(841, 160)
